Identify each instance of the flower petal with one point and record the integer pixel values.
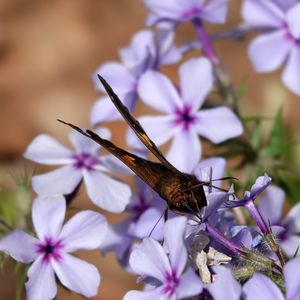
(103, 111)
(44, 149)
(157, 91)
(149, 259)
(291, 272)
(218, 124)
(196, 81)
(117, 75)
(291, 73)
(185, 151)
(285, 4)
(215, 11)
(60, 181)
(106, 192)
(77, 275)
(171, 9)
(225, 286)
(292, 219)
(156, 293)
(293, 20)
(48, 214)
(20, 246)
(290, 245)
(270, 206)
(217, 165)
(150, 223)
(85, 144)
(159, 128)
(86, 230)
(261, 286)
(262, 14)
(189, 285)
(41, 281)
(174, 231)
(112, 164)
(268, 51)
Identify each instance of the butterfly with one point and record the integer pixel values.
(183, 192)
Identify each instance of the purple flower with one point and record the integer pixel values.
(145, 219)
(49, 252)
(262, 287)
(261, 183)
(270, 208)
(281, 42)
(178, 11)
(165, 267)
(182, 120)
(148, 50)
(83, 163)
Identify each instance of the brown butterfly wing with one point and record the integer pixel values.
(149, 171)
(135, 125)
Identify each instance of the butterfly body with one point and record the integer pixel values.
(182, 192)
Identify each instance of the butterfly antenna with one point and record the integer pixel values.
(165, 213)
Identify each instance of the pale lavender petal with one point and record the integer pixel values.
(189, 285)
(290, 245)
(261, 183)
(270, 206)
(112, 164)
(293, 219)
(156, 293)
(106, 192)
(117, 75)
(260, 286)
(263, 13)
(149, 259)
(149, 224)
(214, 200)
(44, 149)
(291, 272)
(104, 111)
(86, 230)
(167, 52)
(20, 246)
(142, 44)
(268, 51)
(48, 214)
(218, 124)
(77, 275)
(291, 73)
(173, 9)
(157, 91)
(215, 11)
(217, 164)
(185, 151)
(225, 286)
(285, 4)
(196, 81)
(293, 21)
(159, 128)
(173, 233)
(85, 144)
(41, 281)
(60, 181)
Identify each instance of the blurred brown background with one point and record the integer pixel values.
(48, 51)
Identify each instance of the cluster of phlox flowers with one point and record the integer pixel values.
(206, 253)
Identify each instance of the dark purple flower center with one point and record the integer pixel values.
(290, 36)
(139, 206)
(50, 249)
(171, 283)
(84, 161)
(193, 12)
(184, 117)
